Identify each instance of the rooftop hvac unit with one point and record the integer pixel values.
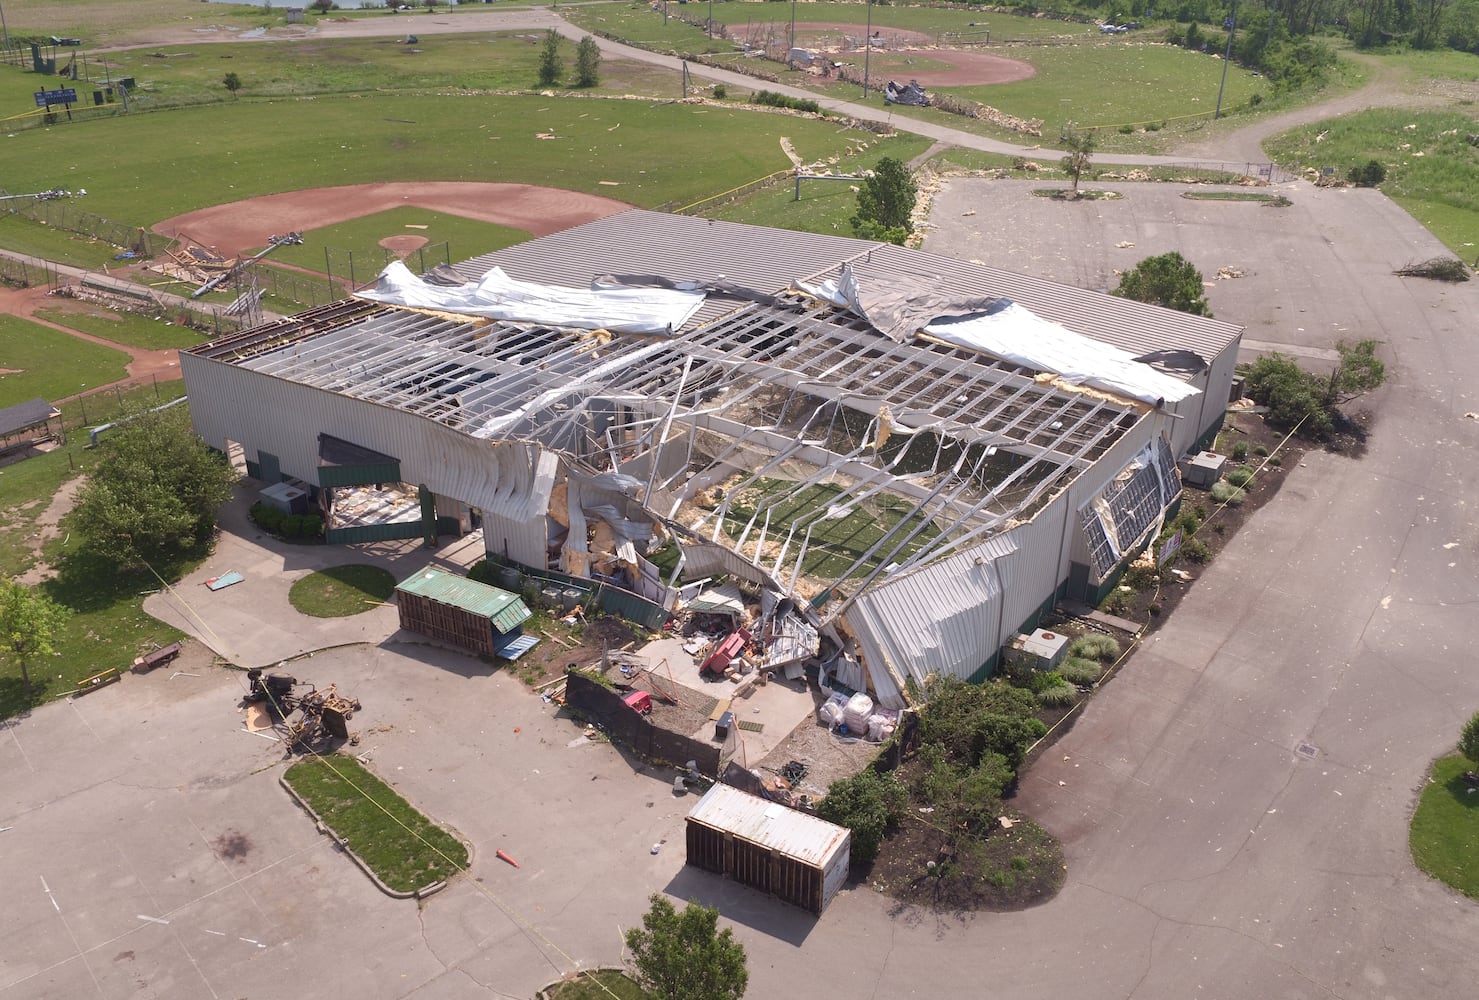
(1203, 469)
(1039, 649)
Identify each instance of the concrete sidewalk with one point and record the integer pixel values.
(253, 624)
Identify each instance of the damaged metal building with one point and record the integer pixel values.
(909, 457)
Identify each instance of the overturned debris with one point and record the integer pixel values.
(1437, 268)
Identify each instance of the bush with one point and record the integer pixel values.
(1370, 175)
(1117, 603)
(970, 721)
(1239, 451)
(1095, 646)
(1194, 550)
(1291, 394)
(1226, 493)
(1059, 695)
(869, 804)
(1241, 476)
(1042, 680)
(283, 525)
(720, 92)
(1141, 576)
(1260, 450)
(773, 100)
(1078, 670)
(1468, 740)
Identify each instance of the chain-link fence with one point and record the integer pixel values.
(360, 267)
(62, 213)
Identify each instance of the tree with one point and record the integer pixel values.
(232, 83)
(1167, 280)
(885, 202)
(587, 63)
(28, 622)
(155, 492)
(1080, 145)
(684, 956)
(1358, 372)
(1468, 740)
(550, 66)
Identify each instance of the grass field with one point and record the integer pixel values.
(341, 591)
(1445, 828)
(404, 848)
(99, 22)
(825, 206)
(107, 627)
(1430, 170)
(464, 238)
(50, 364)
(127, 329)
(166, 164)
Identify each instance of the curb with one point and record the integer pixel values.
(343, 845)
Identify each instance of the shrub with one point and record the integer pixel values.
(1194, 550)
(1117, 603)
(1095, 646)
(482, 571)
(720, 91)
(1260, 450)
(869, 804)
(1078, 670)
(1239, 451)
(1042, 680)
(1468, 740)
(970, 721)
(1241, 476)
(1059, 695)
(1141, 576)
(1276, 460)
(773, 100)
(1226, 493)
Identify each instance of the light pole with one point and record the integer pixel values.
(7, 30)
(792, 46)
(867, 46)
(1232, 26)
(711, 18)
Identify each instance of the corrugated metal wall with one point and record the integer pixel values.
(944, 618)
(283, 418)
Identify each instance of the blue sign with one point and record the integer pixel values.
(46, 98)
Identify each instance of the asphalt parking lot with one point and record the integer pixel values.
(1233, 806)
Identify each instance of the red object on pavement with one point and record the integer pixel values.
(726, 651)
(510, 860)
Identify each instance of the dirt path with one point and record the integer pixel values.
(143, 365)
(1383, 89)
(46, 528)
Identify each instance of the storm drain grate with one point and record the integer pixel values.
(1307, 750)
(752, 727)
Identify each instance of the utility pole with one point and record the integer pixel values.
(792, 45)
(1232, 26)
(6, 30)
(867, 46)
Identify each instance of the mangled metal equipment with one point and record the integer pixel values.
(324, 720)
(273, 690)
(911, 93)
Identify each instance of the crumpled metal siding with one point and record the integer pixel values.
(943, 618)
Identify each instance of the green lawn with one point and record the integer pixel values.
(1445, 828)
(825, 206)
(129, 329)
(50, 364)
(99, 21)
(341, 591)
(602, 984)
(449, 237)
(1430, 170)
(291, 145)
(20, 235)
(404, 848)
